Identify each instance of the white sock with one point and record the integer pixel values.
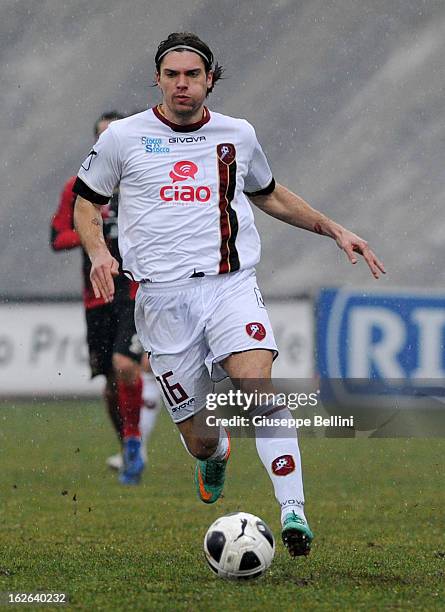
(278, 449)
(223, 445)
(184, 444)
(147, 421)
(151, 395)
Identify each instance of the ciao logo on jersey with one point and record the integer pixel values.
(177, 191)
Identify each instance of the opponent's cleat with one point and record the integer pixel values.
(297, 535)
(115, 462)
(133, 463)
(209, 478)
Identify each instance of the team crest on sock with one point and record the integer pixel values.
(256, 330)
(284, 465)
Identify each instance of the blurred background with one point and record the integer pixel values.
(346, 98)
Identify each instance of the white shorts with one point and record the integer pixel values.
(190, 326)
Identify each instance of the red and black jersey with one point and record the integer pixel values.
(64, 236)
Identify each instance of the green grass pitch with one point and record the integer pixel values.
(66, 524)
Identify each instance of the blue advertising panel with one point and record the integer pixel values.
(381, 335)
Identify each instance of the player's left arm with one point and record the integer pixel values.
(286, 206)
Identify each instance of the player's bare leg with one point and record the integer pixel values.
(129, 387)
(277, 447)
(199, 438)
(212, 451)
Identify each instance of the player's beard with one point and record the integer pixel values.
(188, 110)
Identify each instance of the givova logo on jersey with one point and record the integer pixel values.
(177, 191)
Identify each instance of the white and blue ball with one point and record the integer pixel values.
(239, 546)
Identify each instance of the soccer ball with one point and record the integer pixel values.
(239, 546)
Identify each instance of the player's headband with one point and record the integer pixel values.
(207, 58)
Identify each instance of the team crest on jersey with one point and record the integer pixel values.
(284, 465)
(256, 330)
(226, 152)
(183, 170)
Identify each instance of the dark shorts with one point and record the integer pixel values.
(110, 329)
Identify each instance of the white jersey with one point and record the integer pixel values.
(183, 209)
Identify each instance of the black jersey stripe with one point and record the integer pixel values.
(229, 258)
(234, 262)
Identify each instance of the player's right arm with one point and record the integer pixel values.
(98, 176)
(89, 225)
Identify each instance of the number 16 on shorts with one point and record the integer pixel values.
(174, 393)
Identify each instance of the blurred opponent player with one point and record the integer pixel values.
(187, 234)
(114, 348)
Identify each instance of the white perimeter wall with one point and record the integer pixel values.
(43, 350)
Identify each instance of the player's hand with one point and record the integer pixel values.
(103, 268)
(351, 244)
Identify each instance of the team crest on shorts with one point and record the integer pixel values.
(284, 465)
(256, 330)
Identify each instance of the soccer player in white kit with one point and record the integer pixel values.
(186, 177)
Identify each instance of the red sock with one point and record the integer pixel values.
(130, 402)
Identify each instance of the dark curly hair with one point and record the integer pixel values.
(188, 39)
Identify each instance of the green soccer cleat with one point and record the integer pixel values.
(209, 478)
(297, 535)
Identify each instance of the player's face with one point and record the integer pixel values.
(183, 82)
